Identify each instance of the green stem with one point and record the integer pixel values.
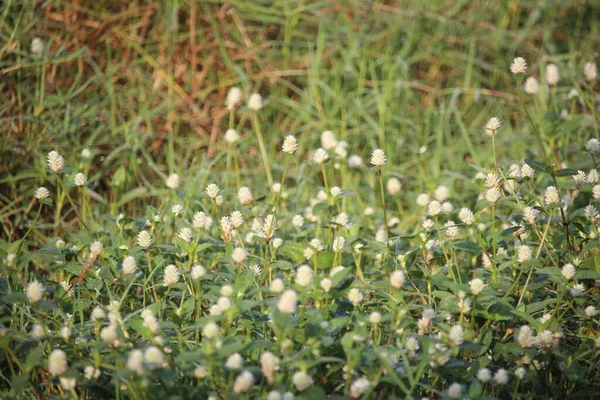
(263, 150)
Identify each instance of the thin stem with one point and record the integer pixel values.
(263, 150)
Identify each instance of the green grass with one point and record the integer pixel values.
(142, 85)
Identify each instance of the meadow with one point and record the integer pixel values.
(293, 199)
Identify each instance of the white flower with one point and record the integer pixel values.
(238, 255)
(338, 243)
(109, 335)
(434, 208)
(456, 335)
(224, 303)
(79, 179)
(375, 318)
(210, 330)
(277, 286)
(234, 361)
(41, 193)
(91, 372)
(493, 195)
(129, 265)
(335, 191)
(328, 140)
(341, 149)
(423, 199)
(378, 158)
(326, 284)
(593, 145)
(56, 162)
(35, 291)
(552, 74)
(185, 234)
(212, 190)
(200, 372)
(320, 155)
(591, 311)
(37, 46)
(577, 290)
(532, 85)
(520, 372)
(68, 383)
(243, 382)
(545, 318)
(97, 314)
(231, 136)
(173, 181)
(518, 66)
(144, 239)
(359, 387)
(65, 332)
(255, 102)
(226, 291)
(302, 380)
(484, 375)
(57, 362)
(245, 195)
(355, 296)
(568, 271)
(455, 391)
(274, 395)
(527, 171)
(171, 275)
(38, 332)
(524, 253)
(234, 97)
(269, 365)
(397, 279)
(277, 242)
(501, 377)
(492, 126)
(135, 361)
(154, 357)
(530, 214)
(304, 275)
(393, 186)
(177, 209)
(526, 337)
(355, 161)
(466, 216)
(477, 286)
(287, 302)
(590, 71)
(290, 144)
(551, 195)
(201, 220)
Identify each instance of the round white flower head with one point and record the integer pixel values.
(355, 161)
(234, 97)
(591, 311)
(501, 377)
(41, 193)
(466, 216)
(198, 272)
(328, 140)
(492, 126)
(526, 337)
(68, 383)
(393, 186)
(290, 145)
(359, 387)
(129, 265)
(590, 71)
(212, 190)
(243, 382)
(56, 162)
(177, 209)
(96, 248)
(304, 275)
(593, 145)
(91, 372)
(79, 179)
(210, 330)
(255, 102)
(568, 271)
(320, 155)
(577, 290)
(338, 243)
(551, 195)
(154, 357)
(171, 275)
(144, 239)
(355, 296)
(378, 158)
(109, 335)
(518, 66)
(397, 279)
(287, 302)
(185, 234)
(456, 335)
(201, 220)
(231, 136)
(484, 375)
(520, 372)
(524, 253)
(37, 46)
(302, 380)
(277, 286)
(493, 195)
(552, 74)
(274, 395)
(57, 362)
(455, 391)
(326, 284)
(477, 286)
(234, 361)
(434, 208)
(35, 291)
(86, 153)
(532, 85)
(135, 361)
(422, 199)
(238, 255)
(375, 318)
(245, 195)
(269, 365)
(173, 181)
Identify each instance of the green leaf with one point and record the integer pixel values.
(34, 357)
(468, 246)
(294, 251)
(536, 165)
(587, 274)
(325, 259)
(566, 172)
(509, 231)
